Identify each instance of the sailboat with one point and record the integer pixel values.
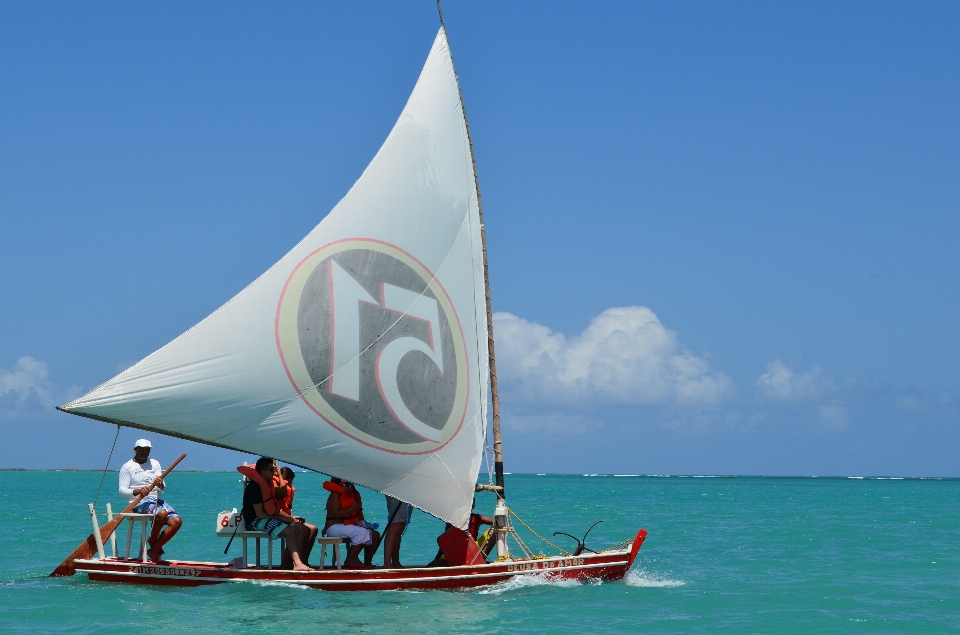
(366, 353)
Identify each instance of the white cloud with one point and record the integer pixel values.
(28, 380)
(556, 422)
(782, 384)
(625, 356)
(27, 377)
(922, 401)
(834, 415)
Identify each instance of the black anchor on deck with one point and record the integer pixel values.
(581, 543)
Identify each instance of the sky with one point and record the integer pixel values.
(722, 236)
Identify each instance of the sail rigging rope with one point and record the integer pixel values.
(563, 551)
(105, 467)
(513, 514)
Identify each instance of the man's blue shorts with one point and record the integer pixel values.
(154, 506)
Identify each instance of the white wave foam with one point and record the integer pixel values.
(527, 580)
(642, 578)
(281, 583)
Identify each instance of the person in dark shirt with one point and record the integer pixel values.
(279, 524)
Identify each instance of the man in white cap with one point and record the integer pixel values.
(141, 475)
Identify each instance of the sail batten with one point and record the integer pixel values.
(361, 353)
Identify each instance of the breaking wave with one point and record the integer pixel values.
(280, 583)
(643, 578)
(525, 581)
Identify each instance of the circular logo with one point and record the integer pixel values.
(371, 341)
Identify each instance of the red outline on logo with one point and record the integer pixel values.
(276, 333)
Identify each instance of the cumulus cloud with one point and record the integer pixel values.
(28, 382)
(780, 383)
(834, 415)
(27, 377)
(625, 356)
(554, 422)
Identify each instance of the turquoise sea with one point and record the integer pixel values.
(724, 555)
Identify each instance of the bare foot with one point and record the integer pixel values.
(154, 554)
(302, 567)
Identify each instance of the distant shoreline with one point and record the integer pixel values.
(582, 475)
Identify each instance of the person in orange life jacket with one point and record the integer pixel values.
(141, 475)
(473, 528)
(345, 520)
(261, 512)
(286, 506)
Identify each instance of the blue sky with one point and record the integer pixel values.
(723, 236)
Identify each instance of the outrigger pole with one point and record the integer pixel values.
(497, 445)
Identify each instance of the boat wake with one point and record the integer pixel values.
(526, 581)
(643, 578)
(280, 583)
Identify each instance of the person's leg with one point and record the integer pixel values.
(353, 556)
(311, 540)
(296, 535)
(396, 545)
(159, 520)
(490, 538)
(154, 542)
(173, 526)
(371, 549)
(391, 545)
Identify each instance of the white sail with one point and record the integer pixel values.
(361, 353)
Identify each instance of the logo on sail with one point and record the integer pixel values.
(371, 341)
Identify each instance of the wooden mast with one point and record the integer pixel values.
(497, 444)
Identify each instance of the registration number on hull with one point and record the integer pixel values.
(171, 571)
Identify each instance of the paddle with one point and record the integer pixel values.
(89, 546)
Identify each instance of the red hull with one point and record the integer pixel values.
(611, 565)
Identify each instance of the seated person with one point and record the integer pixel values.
(262, 513)
(286, 506)
(141, 476)
(345, 520)
(484, 543)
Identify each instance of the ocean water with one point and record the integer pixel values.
(724, 555)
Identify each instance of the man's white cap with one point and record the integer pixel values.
(143, 443)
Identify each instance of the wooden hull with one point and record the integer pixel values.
(608, 565)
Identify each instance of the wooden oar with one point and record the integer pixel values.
(89, 546)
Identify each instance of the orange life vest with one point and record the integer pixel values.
(286, 505)
(271, 505)
(346, 500)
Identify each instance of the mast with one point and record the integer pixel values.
(497, 444)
